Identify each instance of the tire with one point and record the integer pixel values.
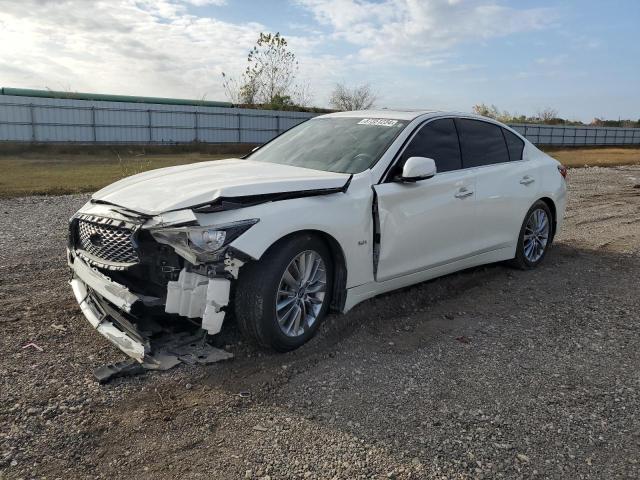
(262, 287)
(528, 257)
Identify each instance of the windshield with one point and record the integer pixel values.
(333, 144)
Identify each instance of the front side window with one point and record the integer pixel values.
(514, 144)
(332, 144)
(437, 140)
(482, 143)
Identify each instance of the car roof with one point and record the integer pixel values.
(403, 114)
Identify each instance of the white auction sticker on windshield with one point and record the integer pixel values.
(381, 122)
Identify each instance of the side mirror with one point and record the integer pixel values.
(418, 168)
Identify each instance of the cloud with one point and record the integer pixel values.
(143, 47)
(553, 61)
(202, 3)
(405, 30)
(166, 48)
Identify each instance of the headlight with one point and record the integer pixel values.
(201, 244)
(207, 240)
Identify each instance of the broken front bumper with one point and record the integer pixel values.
(86, 284)
(106, 304)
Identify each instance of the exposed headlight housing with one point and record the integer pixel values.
(207, 239)
(201, 244)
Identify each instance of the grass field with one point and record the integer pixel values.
(61, 174)
(51, 174)
(595, 156)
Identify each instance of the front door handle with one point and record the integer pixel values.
(526, 180)
(463, 193)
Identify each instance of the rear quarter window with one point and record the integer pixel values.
(515, 145)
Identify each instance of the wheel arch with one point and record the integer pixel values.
(339, 293)
(554, 214)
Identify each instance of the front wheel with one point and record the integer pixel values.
(534, 238)
(281, 300)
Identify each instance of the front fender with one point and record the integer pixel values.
(346, 217)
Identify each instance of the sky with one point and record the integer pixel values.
(580, 57)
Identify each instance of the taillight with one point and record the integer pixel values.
(563, 171)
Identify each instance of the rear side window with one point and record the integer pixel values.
(482, 143)
(437, 140)
(514, 144)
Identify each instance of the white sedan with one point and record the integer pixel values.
(336, 210)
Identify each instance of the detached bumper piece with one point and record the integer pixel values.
(127, 368)
(106, 305)
(169, 352)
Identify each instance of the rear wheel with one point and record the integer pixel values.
(281, 300)
(534, 238)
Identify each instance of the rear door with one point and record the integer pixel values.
(427, 223)
(506, 185)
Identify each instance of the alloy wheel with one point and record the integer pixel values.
(301, 293)
(536, 235)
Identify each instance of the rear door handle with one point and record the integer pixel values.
(463, 193)
(526, 180)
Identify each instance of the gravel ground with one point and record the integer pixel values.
(488, 373)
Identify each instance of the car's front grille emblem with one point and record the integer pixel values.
(96, 239)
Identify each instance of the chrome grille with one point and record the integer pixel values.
(107, 242)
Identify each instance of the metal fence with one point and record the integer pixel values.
(576, 136)
(55, 120)
(60, 120)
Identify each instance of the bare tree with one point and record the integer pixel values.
(269, 77)
(273, 66)
(360, 97)
(232, 88)
(242, 90)
(547, 115)
(494, 112)
(302, 95)
(486, 110)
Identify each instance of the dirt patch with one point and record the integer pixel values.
(486, 373)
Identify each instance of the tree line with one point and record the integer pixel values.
(270, 81)
(548, 116)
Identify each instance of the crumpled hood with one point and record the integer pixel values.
(184, 186)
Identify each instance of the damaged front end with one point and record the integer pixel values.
(155, 286)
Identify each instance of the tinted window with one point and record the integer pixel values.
(514, 144)
(482, 143)
(437, 140)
